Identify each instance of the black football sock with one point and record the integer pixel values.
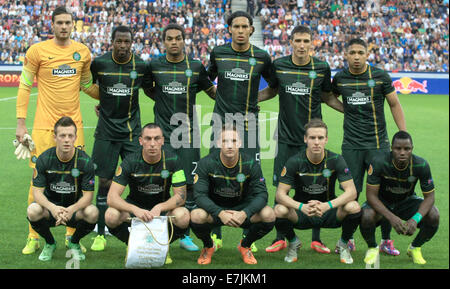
(82, 229)
(43, 229)
(203, 232)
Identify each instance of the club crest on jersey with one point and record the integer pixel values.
(358, 98)
(240, 178)
(165, 174)
(326, 173)
(76, 56)
(252, 61)
(237, 74)
(174, 87)
(312, 74)
(297, 88)
(412, 179)
(371, 83)
(64, 71)
(119, 89)
(75, 172)
(133, 74)
(188, 73)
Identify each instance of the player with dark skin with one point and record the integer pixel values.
(408, 207)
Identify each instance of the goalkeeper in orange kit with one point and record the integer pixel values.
(61, 67)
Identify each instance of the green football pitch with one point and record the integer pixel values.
(427, 118)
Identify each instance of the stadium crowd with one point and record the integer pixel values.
(404, 35)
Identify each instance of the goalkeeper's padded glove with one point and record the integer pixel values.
(28, 142)
(22, 151)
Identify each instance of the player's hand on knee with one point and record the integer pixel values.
(398, 226)
(410, 227)
(239, 217)
(144, 215)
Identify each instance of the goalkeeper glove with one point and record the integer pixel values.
(23, 150)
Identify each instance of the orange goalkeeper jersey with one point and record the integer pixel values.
(59, 70)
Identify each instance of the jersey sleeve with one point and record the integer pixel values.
(201, 190)
(334, 84)
(178, 177)
(268, 72)
(326, 84)
(29, 70)
(122, 173)
(289, 171)
(88, 180)
(204, 82)
(258, 195)
(387, 84)
(426, 180)
(94, 71)
(39, 175)
(342, 170)
(373, 173)
(147, 81)
(212, 68)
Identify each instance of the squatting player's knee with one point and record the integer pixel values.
(352, 207)
(91, 214)
(267, 214)
(35, 212)
(199, 216)
(281, 211)
(368, 217)
(112, 218)
(182, 217)
(432, 218)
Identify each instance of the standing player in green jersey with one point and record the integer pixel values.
(119, 75)
(230, 190)
(303, 82)
(149, 173)
(238, 67)
(313, 173)
(63, 188)
(391, 179)
(178, 79)
(364, 89)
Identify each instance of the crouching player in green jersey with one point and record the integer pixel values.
(391, 179)
(63, 188)
(150, 173)
(313, 173)
(230, 190)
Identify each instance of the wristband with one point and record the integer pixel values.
(417, 217)
(329, 203)
(300, 207)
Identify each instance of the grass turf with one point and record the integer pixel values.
(427, 118)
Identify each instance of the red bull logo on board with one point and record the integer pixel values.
(406, 85)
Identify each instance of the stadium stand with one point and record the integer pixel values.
(404, 35)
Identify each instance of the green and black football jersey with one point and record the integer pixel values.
(64, 182)
(300, 89)
(177, 85)
(315, 181)
(398, 184)
(217, 187)
(363, 97)
(150, 183)
(238, 76)
(119, 84)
